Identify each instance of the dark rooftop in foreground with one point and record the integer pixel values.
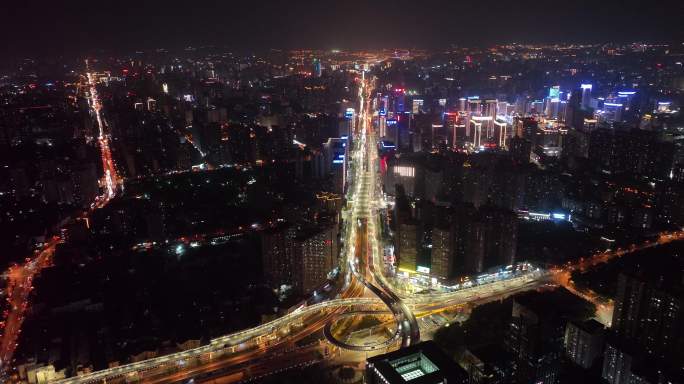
(590, 326)
(423, 363)
(559, 304)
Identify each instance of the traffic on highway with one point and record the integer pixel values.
(359, 288)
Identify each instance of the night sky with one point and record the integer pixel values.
(68, 26)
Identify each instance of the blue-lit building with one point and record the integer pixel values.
(586, 95)
(335, 151)
(611, 112)
(399, 101)
(317, 68)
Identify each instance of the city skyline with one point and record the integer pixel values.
(183, 203)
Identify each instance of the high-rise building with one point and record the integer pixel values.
(462, 104)
(208, 138)
(489, 364)
(503, 108)
(417, 106)
(451, 121)
(490, 108)
(583, 342)
(407, 246)
(552, 108)
(635, 152)
(611, 113)
(529, 129)
(480, 239)
(299, 258)
(317, 70)
(500, 133)
(481, 128)
(404, 174)
(617, 365)
(442, 253)
(469, 240)
(474, 105)
(586, 95)
(650, 311)
(315, 254)
(575, 146)
(399, 101)
(554, 92)
(536, 107)
(500, 228)
(535, 335)
(646, 343)
(277, 255)
(520, 150)
(335, 161)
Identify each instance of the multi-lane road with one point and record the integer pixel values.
(364, 288)
(364, 233)
(20, 277)
(273, 346)
(19, 287)
(111, 178)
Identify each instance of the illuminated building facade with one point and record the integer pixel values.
(407, 246)
(442, 253)
(315, 256)
(583, 342)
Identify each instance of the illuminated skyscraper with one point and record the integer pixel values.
(462, 104)
(500, 133)
(552, 108)
(586, 95)
(277, 255)
(315, 255)
(612, 112)
(417, 106)
(442, 253)
(317, 68)
(382, 126)
(476, 130)
(474, 105)
(536, 107)
(647, 337)
(489, 108)
(650, 311)
(583, 342)
(450, 124)
(399, 101)
(407, 246)
(554, 92)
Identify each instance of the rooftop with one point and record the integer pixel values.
(418, 364)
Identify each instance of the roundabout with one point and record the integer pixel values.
(384, 342)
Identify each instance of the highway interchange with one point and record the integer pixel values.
(273, 346)
(365, 289)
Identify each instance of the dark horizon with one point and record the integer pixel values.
(79, 27)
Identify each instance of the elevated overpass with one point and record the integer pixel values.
(364, 233)
(220, 346)
(243, 345)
